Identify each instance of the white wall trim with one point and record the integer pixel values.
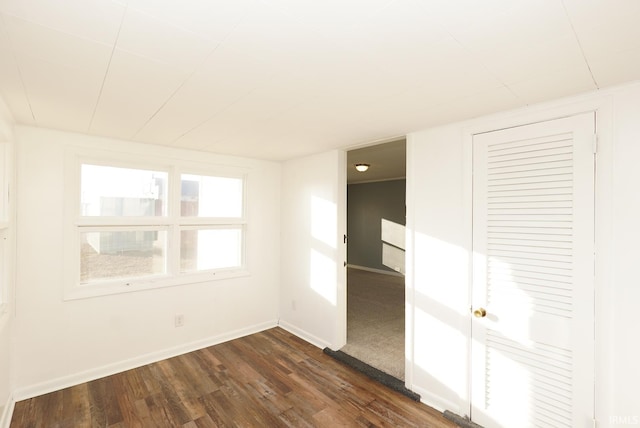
(602, 104)
(409, 289)
(368, 269)
(118, 367)
(7, 413)
(341, 254)
(314, 340)
(465, 403)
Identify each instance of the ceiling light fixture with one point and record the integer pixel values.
(362, 167)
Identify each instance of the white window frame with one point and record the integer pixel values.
(5, 168)
(173, 223)
(5, 221)
(4, 268)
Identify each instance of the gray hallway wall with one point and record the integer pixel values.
(367, 205)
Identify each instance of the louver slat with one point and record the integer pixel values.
(549, 378)
(547, 159)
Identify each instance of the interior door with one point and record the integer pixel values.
(533, 260)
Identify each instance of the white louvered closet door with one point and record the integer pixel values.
(533, 260)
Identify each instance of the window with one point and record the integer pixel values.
(139, 227)
(211, 210)
(111, 200)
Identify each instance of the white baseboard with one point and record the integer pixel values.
(132, 363)
(7, 412)
(368, 269)
(437, 402)
(302, 334)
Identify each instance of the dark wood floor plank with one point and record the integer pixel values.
(187, 388)
(97, 407)
(170, 401)
(269, 379)
(195, 373)
(160, 410)
(150, 382)
(143, 412)
(52, 406)
(111, 392)
(267, 398)
(76, 409)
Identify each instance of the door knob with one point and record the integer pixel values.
(480, 313)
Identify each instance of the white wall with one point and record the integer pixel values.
(313, 294)
(6, 273)
(439, 237)
(437, 269)
(623, 338)
(59, 343)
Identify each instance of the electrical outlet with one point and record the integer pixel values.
(293, 305)
(179, 320)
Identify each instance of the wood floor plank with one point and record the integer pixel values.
(269, 379)
(205, 422)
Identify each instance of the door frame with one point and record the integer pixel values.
(603, 108)
(342, 323)
(584, 124)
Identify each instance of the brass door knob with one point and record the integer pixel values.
(480, 313)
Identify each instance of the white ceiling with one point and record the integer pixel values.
(276, 79)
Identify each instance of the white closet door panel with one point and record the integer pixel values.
(532, 354)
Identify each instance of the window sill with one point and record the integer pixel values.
(106, 288)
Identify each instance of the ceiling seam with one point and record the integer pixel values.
(584, 57)
(15, 59)
(483, 65)
(106, 73)
(195, 70)
(216, 114)
(222, 109)
(173, 94)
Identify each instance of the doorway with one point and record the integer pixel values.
(376, 218)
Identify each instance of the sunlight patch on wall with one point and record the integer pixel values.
(393, 245)
(324, 221)
(443, 261)
(393, 233)
(438, 365)
(323, 276)
(393, 257)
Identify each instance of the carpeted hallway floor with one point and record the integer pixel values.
(375, 320)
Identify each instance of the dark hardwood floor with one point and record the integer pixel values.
(269, 379)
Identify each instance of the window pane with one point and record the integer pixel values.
(4, 191)
(3, 265)
(205, 196)
(122, 254)
(110, 191)
(205, 249)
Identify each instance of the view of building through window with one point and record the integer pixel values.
(128, 230)
(109, 191)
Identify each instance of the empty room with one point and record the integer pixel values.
(174, 219)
